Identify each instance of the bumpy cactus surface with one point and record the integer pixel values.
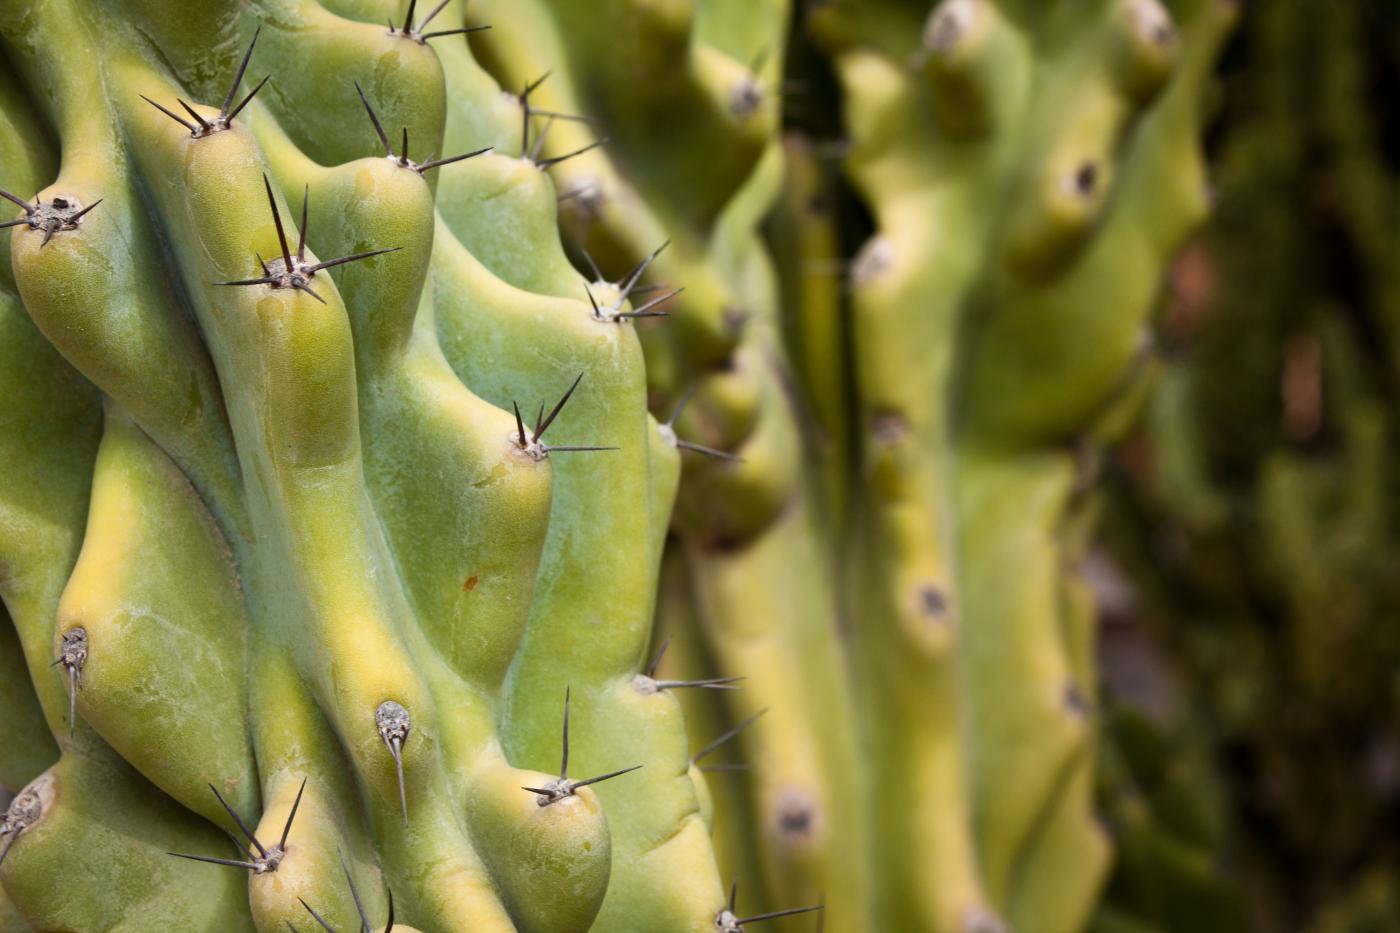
(1029, 168)
(280, 501)
(352, 582)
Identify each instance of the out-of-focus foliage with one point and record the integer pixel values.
(1255, 513)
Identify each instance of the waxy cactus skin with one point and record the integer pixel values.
(344, 518)
(261, 450)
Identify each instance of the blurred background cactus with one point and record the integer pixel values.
(697, 465)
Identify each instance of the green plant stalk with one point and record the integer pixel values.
(1024, 211)
(736, 521)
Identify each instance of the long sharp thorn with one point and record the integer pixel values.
(759, 60)
(245, 101)
(247, 833)
(540, 138)
(576, 447)
(232, 863)
(72, 698)
(519, 425)
(396, 751)
(262, 281)
(354, 892)
(312, 292)
(238, 77)
(680, 406)
(29, 208)
(242, 849)
(79, 216)
(14, 223)
(597, 273)
(717, 742)
(549, 419)
(291, 816)
(317, 917)
(373, 118)
(733, 895)
(589, 292)
(203, 123)
(659, 300)
(429, 18)
(404, 155)
(604, 777)
(656, 659)
(436, 163)
(564, 764)
(301, 234)
(633, 315)
(277, 219)
(14, 834)
(641, 269)
(773, 915)
(530, 88)
(571, 117)
(713, 683)
(539, 790)
(451, 32)
(48, 235)
(539, 416)
(388, 927)
(408, 17)
(548, 163)
(709, 451)
(172, 115)
(354, 257)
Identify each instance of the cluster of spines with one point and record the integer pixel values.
(556, 791)
(259, 859)
(202, 127)
(414, 31)
(51, 216)
(295, 272)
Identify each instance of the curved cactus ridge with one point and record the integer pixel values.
(689, 99)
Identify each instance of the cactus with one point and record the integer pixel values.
(290, 552)
(689, 100)
(1029, 169)
(272, 506)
